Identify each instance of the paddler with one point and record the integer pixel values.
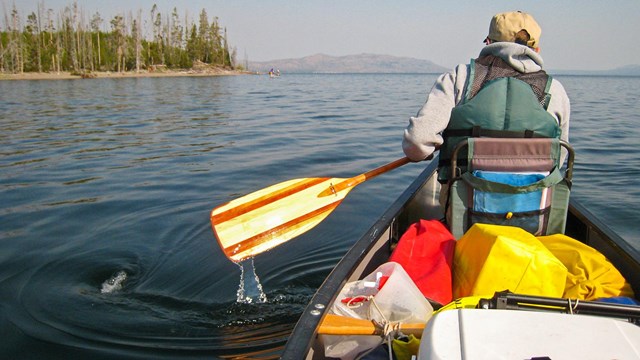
(511, 56)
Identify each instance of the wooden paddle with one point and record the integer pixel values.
(343, 325)
(264, 219)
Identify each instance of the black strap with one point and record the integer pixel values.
(478, 131)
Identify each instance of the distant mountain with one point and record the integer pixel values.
(629, 70)
(373, 63)
(362, 63)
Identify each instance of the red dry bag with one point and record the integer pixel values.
(425, 251)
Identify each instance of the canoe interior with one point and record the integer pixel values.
(420, 200)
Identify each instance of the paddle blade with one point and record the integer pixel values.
(269, 217)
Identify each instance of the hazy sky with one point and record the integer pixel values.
(576, 34)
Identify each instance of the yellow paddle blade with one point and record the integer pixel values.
(269, 217)
(266, 218)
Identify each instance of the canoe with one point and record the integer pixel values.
(420, 201)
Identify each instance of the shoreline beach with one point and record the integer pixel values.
(66, 75)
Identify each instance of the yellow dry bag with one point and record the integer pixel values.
(490, 258)
(591, 276)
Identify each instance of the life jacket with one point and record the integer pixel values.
(499, 102)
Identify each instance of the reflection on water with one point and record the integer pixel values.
(106, 250)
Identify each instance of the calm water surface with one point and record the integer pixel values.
(106, 250)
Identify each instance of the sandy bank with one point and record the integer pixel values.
(117, 75)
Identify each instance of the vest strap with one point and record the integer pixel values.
(478, 131)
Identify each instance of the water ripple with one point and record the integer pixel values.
(118, 176)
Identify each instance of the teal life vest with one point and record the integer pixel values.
(498, 102)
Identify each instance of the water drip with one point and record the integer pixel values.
(250, 289)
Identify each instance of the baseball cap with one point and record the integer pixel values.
(505, 26)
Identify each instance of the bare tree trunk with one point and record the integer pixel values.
(124, 63)
(88, 45)
(38, 36)
(138, 35)
(99, 50)
(78, 43)
(224, 49)
(15, 42)
(96, 21)
(1, 57)
(58, 55)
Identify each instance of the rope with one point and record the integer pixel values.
(574, 307)
(389, 329)
(386, 327)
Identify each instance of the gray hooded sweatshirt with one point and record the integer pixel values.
(424, 132)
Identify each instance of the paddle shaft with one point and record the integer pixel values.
(342, 325)
(351, 182)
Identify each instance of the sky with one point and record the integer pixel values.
(576, 34)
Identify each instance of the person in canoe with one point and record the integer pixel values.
(469, 97)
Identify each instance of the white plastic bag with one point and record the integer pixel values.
(387, 295)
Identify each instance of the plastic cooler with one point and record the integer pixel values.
(511, 334)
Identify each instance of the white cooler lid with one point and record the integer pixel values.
(516, 334)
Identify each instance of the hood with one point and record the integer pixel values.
(522, 58)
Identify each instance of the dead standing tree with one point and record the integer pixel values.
(12, 57)
(118, 31)
(96, 23)
(136, 40)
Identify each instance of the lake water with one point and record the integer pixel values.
(106, 249)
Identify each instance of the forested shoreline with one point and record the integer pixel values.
(68, 40)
